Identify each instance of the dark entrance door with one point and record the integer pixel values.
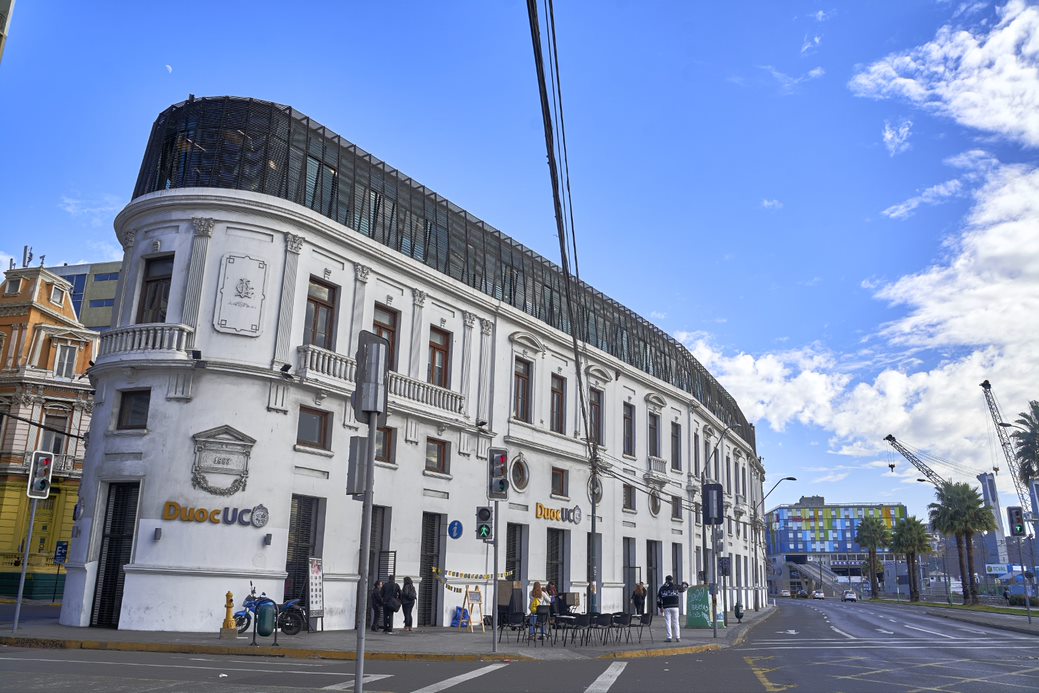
(429, 605)
(116, 547)
(303, 525)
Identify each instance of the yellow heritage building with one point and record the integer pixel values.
(45, 404)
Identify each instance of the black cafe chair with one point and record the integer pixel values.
(621, 624)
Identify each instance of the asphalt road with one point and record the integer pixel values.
(808, 645)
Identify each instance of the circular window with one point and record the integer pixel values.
(595, 489)
(654, 504)
(520, 474)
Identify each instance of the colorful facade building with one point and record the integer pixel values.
(45, 404)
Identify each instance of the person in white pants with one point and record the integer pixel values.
(669, 601)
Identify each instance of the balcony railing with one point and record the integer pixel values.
(315, 361)
(68, 465)
(149, 337)
(656, 471)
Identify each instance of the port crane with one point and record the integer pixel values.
(931, 475)
(1008, 452)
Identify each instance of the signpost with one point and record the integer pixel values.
(454, 530)
(61, 552)
(316, 590)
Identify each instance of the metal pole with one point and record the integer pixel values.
(1024, 581)
(366, 545)
(57, 574)
(713, 584)
(25, 565)
(494, 592)
(593, 554)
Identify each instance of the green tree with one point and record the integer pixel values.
(960, 511)
(872, 534)
(1027, 441)
(911, 538)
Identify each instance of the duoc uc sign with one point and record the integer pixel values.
(256, 516)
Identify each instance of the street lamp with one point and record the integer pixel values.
(762, 511)
(711, 574)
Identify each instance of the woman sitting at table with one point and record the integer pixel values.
(537, 598)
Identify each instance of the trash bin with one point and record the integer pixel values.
(266, 615)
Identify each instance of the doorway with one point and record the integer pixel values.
(116, 551)
(431, 556)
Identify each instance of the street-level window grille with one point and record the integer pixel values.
(117, 535)
(429, 591)
(302, 544)
(319, 324)
(155, 289)
(554, 557)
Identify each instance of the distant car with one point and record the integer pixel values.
(784, 593)
(818, 594)
(849, 596)
(802, 594)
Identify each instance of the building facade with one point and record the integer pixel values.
(45, 404)
(258, 245)
(93, 291)
(811, 544)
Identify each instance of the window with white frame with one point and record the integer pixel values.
(57, 296)
(629, 497)
(14, 286)
(65, 361)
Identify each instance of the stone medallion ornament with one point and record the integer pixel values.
(221, 464)
(260, 515)
(240, 298)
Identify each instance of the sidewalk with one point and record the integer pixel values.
(1017, 623)
(421, 644)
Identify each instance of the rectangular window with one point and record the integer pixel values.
(676, 507)
(629, 497)
(14, 286)
(437, 459)
(559, 482)
(65, 361)
(106, 277)
(385, 445)
(102, 303)
(696, 454)
(314, 428)
(654, 435)
(439, 357)
(155, 289)
(629, 429)
(521, 390)
(385, 325)
(558, 417)
(57, 296)
(55, 434)
(319, 324)
(133, 410)
(676, 446)
(595, 415)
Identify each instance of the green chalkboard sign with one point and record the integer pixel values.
(698, 607)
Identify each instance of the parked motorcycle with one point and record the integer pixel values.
(292, 615)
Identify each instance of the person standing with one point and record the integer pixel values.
(408, 596)
(638, 598)
(537, 598)
(553, 596)
(391, 602)
(1006, 595)
(669, 601)
(375, 600)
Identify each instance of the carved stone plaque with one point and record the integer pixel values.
(221, 460)
(241, 295)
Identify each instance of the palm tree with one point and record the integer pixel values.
(1028, 442)
(960, 511)
(872, 534)
(911, 538)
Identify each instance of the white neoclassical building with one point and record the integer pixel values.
(258, 245)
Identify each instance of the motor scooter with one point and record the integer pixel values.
(292, 615)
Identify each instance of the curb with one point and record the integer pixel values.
(742, 635)
(1012, 627)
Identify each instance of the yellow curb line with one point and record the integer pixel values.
(635, 654)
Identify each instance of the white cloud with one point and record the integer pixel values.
(94, 211)
(822, 15)
(810, 43)
(896, 137)
(831, 478)
(772, 204)
(936, 194)
(988, 80)
(657, 315)
(169, 69)
(789, 84)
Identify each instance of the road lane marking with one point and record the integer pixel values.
(347, 685)
(760, 674)
(461, 678)
(932, 632)
(841, 632)
(607, 678)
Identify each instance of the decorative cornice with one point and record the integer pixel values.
(293, 243)
(419, 297)
(203, 226)
(128, 239)
(468, 318)
(362, 272)
(486, 326)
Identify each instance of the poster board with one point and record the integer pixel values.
(316, 589)
(698, 607)
(473, 603)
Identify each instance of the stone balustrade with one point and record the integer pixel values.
(149, 337)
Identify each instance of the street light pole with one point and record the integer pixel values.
(710, 574)
(762, 506)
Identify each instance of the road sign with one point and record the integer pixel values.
(713, 508)
(454, 530)
(61, 551)
(724, 566)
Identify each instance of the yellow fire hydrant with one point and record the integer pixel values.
(228, 630)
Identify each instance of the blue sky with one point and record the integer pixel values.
(835, 206)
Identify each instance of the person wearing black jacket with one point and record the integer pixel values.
(669, 601)
(390, 602)
(375, 602)
(408, 596)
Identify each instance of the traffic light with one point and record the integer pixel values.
(498, 474)
(1016, 519)
(40, 471)
(485, 523)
